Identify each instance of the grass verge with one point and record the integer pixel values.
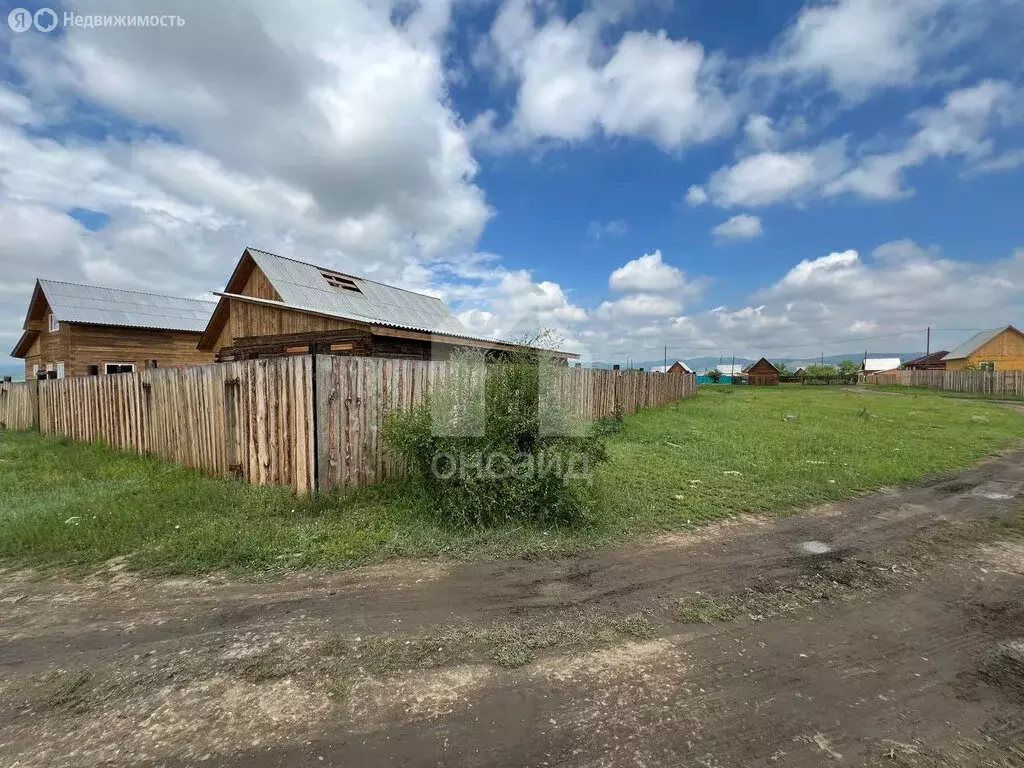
(945, 393)
(728, 451)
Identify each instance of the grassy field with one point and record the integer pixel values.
(728, 451)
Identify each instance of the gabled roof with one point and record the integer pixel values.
(976, 341)
(665, 368)
(304, 286)
(96, 305)
(321, 290)
(762, 360)
(76, 303)
(880, 364)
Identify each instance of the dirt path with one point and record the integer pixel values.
(886, 630)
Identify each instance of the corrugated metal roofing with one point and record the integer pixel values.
(977, 340)
(74, 303)
(881, 364)
(728, 369)
(303, 286)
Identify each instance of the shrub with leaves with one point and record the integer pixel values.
(494, 446)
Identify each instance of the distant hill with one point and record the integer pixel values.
(700, 363)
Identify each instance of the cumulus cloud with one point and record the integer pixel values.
(572, 86)
(740, 227)
(696, 195)
(647, 274)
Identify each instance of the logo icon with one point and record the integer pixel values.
(19, 20)
(45, 19)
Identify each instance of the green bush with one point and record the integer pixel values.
(493, 450)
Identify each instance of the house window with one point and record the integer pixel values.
(119, 367)
(54, 325)
(35, 370)
(987, 365)
(336, 280)
(60, 370)
(151, 363)
(92, 370)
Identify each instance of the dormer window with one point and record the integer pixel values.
(336, 280)
(54, 325)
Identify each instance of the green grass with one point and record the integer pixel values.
(728, 451)
(945, 393)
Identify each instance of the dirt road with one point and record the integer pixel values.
(888, 630)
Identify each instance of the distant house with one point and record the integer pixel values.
(879, 364)
(932, 362)
(732, 370)
(677, 367)
(1001, 349)
(273, 306)
(762, 374)
(85, 330)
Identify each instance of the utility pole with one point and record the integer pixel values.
(928, 342)
(822, 358)
(732, 371)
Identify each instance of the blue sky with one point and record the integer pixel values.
(780, 178)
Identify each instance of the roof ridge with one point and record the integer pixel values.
(345, 274)
(123, 290)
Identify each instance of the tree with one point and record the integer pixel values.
(715, 375)
(821, 371)
(783, 368)
(849, 368)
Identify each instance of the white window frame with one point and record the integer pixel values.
(54, 323)
(35, 370)
(983, 363)
(60, 370)
(108, 373)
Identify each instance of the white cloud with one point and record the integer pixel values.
(641, 305)
(960, 127)
(856, 46)
(770, 177)
(740, 227)
(696, 195)
(599, 229)
(647, 274)
(572, 86)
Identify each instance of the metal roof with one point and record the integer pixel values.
(977, 340)
(729, 369)
(665, 368)
(74, 303)
(303, 286)
(881, 363)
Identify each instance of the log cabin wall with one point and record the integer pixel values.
(97, 345)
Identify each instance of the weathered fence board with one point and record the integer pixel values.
(18, 405)
(356, 394)
(978, 382)
(249, 418)
(281, 420)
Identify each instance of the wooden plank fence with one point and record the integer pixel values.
(309, 424)
(356, 394)
(977, 382)
(246, 418)
(18, 405)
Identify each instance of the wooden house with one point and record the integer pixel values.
(933, 362)
(273, 305)
(677, 367)
(1001, 349)
(763, 374)
(85, 330)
